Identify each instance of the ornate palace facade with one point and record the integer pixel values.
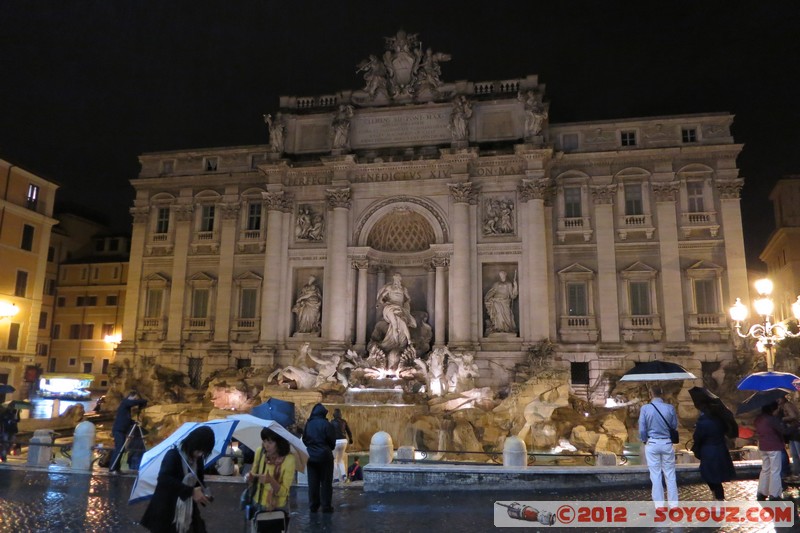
(616, 241)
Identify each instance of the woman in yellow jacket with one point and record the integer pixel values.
(272, 474)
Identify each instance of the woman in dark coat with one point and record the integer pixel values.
(711, 447)
(320, 439)
(174, 483)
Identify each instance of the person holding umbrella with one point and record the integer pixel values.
(710, 445)
(656, 419)
(770, 432)
(180, 488)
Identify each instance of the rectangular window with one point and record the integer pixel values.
(705, 296)
(62, 301)
(111, 299)
(42, 320)
(576, 299)
(207, 218)
(56, 331)
(13, 335)
(162, 220)
(211, 164)
(200, 303)
(80, 301)
(87, 331)
(152, 307)
(21, 286)
(75, 331)
(628, 138)
(640, 297)
(87, 368)
(27, 237)
(569, 142)
(42, 348)
(50, 287)
(167, 166)
(106, 362)
(73, 361)
(633, 200)
(84, 273)
(91, 301)
(195, 371)
(108, 329)
(689, 135)
(32, 198)
(51, 254)
(254, 216)
(242, 363)
(579, 373)
(113, 245)
(694, 190)
(96, 272)
(247, 309)
(572, 202)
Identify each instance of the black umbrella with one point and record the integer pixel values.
(657, 371)
(760, 399)
(709, 403)
(6, 389)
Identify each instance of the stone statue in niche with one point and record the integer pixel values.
(276, 132)
(459, 118)
(498, 302)
(308, 307)
(391, 338)
(310, 224)
(498, 217)
(340, 128)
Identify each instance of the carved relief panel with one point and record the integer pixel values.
(499, 215)
(310, 223)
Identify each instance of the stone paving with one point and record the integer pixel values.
(46, 500)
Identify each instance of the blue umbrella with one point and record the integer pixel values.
(274, 409)
(769, 380)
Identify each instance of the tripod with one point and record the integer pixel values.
(134, 443)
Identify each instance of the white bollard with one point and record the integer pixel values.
(82, 445)
(515, 453)
(381, 448)
(39, 451)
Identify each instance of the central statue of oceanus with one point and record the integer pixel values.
(391, 339)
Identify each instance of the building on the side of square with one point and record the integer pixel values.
(616, 240)
(26, 222)
(89, 298)
(782, 252)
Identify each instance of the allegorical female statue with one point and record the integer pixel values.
(307, 308)
(498, 302)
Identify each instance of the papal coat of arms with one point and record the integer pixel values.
(404, 71)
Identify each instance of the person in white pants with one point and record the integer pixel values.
(655, 421)
(343, 437)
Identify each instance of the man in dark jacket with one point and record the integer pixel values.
(122, 426)
(320, 439)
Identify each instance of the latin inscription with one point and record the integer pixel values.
(411, 127)
(400, 175)
(497, 171)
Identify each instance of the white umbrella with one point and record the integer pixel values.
(248, 432)
(145, 484)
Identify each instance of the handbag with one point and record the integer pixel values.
(673, 433)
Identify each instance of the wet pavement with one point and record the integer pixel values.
(59, 500)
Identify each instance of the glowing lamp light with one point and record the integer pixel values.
(764, 287)
(8, 310)
(113, 339)
(739, 311)
(764, 306)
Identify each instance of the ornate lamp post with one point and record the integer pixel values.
(766, 333)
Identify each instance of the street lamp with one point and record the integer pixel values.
(766, 333)
(8, 310)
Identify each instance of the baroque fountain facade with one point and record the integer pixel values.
(439, 260)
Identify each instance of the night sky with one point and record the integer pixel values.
(86, 86)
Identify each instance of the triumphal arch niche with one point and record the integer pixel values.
(413, 214)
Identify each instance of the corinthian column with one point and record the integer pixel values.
(460, 292)
(334, 321)
(534, 307)
(440, 302)
(222, 321)
(603, 198)
(271, 296)
(183, 215)
(361, 265)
